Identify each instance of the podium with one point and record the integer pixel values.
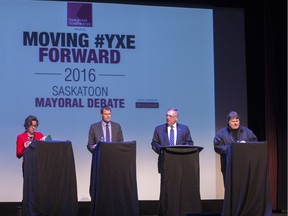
(180, 184)
(49, 179)
(113, 185)
(247, 187)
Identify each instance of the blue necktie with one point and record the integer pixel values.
(107, 133)
(171, 136)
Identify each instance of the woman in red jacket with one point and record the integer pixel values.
(24, 139)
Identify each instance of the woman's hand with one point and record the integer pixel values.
(27, 143)
(43, 138)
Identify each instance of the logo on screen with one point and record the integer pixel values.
(79, 14)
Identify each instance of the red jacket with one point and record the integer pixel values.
(21, 139)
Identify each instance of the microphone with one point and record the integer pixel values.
(31, 137)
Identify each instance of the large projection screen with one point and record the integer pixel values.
(140, 60)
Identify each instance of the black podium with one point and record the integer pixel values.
(247, 187)
(180, 184)
(113, 184)
(49, 179)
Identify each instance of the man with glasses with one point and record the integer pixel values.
(177, 184)
(171, 133)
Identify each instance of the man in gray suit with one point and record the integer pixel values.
(105, 130)
(162, 134)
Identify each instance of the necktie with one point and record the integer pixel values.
(107, 133)
(171, 136)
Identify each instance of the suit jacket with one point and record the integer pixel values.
(160, 137)
(22, 138)
(96, 132)
(224, 138)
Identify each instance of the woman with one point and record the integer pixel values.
(25, 139)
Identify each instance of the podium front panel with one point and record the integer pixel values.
(180, 187)
(247, 187)
(49, 179)
(113, 184)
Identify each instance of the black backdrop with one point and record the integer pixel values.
(266, 58)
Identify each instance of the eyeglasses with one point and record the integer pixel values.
(170, 116)
(32, 125)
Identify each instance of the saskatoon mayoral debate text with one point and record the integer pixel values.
(79, 102)
(75, 97)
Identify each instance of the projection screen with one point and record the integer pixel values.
(62, 61)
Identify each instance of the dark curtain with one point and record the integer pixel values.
(276, 98)
(266, 40)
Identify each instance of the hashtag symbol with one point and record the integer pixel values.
(99, 41)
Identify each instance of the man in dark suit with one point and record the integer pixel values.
(171, 133)
(105, 130)
(177, 184)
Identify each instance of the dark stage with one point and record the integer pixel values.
(210, 207)
(146, 208)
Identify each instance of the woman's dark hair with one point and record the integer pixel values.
(28, 121)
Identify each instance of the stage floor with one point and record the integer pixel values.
(147, 208)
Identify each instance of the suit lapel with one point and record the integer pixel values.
(100, 129)
(112, 129)
(165, 133)
(178, 134)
